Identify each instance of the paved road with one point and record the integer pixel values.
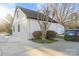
(17, 46)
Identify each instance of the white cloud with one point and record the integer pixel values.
(6, 8)
(39, 6)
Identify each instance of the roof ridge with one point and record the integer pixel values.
(31, 13)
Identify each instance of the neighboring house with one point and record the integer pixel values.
(25, 23)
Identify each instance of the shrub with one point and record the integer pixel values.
(49, 35)
(71, 38)
(37, 34)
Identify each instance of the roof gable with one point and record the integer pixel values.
(33, 14)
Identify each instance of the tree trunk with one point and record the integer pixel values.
(44, 35)
(44, 31)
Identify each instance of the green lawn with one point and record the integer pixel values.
(43, 41)
(60, 36)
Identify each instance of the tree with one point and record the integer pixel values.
(74, 23)
(63, 11)
(7, 23)
(44, 23)
(9, 19)
(59, 12)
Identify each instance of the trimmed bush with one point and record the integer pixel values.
(49, 35)
(37, 34)
(71, 38)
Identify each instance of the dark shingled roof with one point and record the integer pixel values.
(33, 14)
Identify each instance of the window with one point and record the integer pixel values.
(18, 27)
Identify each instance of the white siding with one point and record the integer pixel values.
(57, 28)
(33, 26)
(18, 20)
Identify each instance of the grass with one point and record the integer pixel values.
(60, 37)
(43, 41)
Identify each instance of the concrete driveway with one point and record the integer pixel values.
(16, 46)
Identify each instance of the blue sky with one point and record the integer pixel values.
(9, 8)
(32, 6)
